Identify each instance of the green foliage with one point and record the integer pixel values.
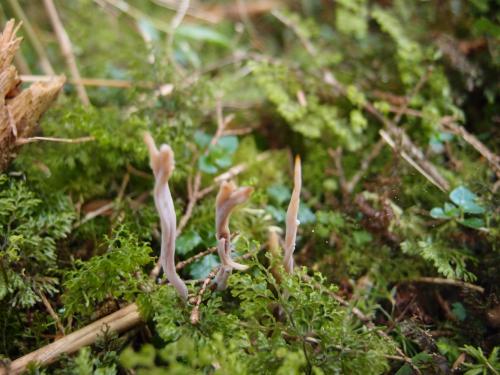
(311, 118)
(116, 274)
(30, 226)
(449, 262)
(465, 203)
(87, 169)
(312, 332)
(421, 65)
(483, 365)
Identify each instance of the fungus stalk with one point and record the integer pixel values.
(292, 223)
(162, 164)
(228, 198)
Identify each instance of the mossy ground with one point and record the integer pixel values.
(370, 241)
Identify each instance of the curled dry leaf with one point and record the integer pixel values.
(162, 164)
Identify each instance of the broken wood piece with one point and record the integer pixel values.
(19, 110)
(118, 322)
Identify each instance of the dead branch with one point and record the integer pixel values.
(118, 322)
(397, 139)
(450, 282)
(194, 258)
(195, 313)
(23, 141)
(365, 164)
(51, 312)
(66, 48)
(98, 82)
(365, 320)
(43, 58)
(493, 159)
(19, 110)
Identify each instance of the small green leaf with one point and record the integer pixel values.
(462, 196)
(305, 215)
(201, 139)
(187, 242)
(451, 210)
(405, 370)
(224, 161)
(202, 34)
(459, 311)
(473, 222)
(279, 193)
(438, 213)
(361, 237)
(205, 165)
(202, 268)
(228, 143)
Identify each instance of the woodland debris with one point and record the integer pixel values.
(397, 139)
(66, 48)
(119, 321)
(20, 110)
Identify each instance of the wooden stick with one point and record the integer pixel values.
(22, 141)
(195, 313)
(99, 82)
(33, 38)
(66, 49)
(118, 322)
(397, 139)
(51, 312)
(493, 159)
(450, 282)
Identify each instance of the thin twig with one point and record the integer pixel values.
(94, 214)
(366, 321)
(310, 48)
(43, 58)
(405, 147)
(421, 82)
(450, 282)
(195, 313)
(99, 82)
(66, 49)
(194, 258)
(493, 159)
(365, 164)
(118, 322)
(51, 312)
(22, 141)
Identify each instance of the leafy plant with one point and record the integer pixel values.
(484, 365)
(465, 203)
(116, 274)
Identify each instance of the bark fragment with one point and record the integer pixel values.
(20, 110)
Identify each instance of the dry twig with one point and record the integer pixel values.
(19, 110)
(397, 139)
(66, 48)
(51, 312)
(195, 313)
(43, 58)
(118, 322)
(493, 159)
(23, 141)
(450, 282)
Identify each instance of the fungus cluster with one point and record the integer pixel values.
(228, 197)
